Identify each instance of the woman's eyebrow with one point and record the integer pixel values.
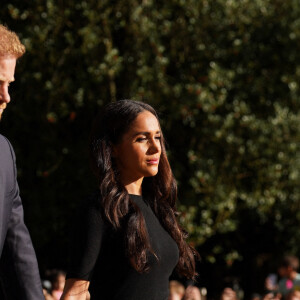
(145, 133)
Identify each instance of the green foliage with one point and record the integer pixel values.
(224, 75)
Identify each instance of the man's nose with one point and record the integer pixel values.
(4, 94)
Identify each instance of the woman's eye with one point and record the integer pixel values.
(141, 139)
(158, 137)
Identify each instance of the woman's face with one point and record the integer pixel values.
(138, 153)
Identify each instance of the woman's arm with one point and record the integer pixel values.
(76, 289)
(87, 234)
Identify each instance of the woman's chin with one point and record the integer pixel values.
(151, 173)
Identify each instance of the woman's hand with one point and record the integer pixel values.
(76, 289)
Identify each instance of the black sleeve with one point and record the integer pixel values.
(86, 239)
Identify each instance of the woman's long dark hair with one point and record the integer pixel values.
(161, 189)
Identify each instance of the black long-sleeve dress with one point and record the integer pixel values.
(98, 255)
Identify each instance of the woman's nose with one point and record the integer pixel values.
(155, 146)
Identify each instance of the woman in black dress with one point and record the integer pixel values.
(127, 240)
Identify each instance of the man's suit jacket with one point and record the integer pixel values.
(19, 274)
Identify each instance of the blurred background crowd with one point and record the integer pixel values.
(284, 284)
(224, 75)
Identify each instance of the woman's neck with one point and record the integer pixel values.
(134, 187)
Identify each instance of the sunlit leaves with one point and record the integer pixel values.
(224, 76)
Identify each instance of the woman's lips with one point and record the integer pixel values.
(153, 161)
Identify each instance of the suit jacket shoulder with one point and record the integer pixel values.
(4, 142)
(7, 167)
(6, 150)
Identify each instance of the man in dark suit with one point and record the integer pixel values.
(19, 274)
